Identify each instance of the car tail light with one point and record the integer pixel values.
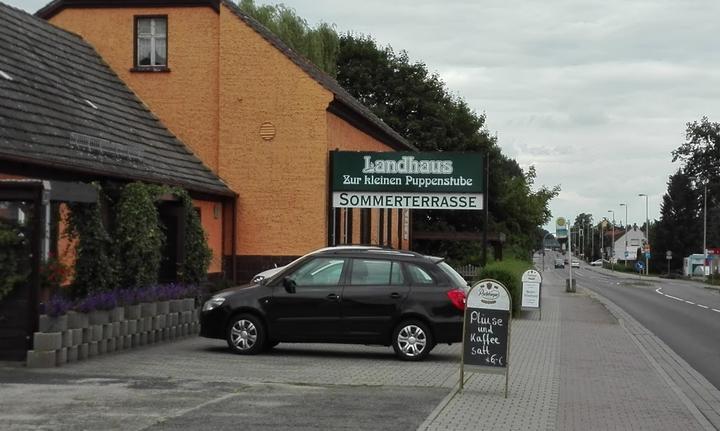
(457, 297)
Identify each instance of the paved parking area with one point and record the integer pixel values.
(197, 382)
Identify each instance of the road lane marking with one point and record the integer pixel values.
(659, 290)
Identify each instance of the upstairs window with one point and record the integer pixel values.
(151, 42)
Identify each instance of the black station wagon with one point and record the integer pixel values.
(361, 295)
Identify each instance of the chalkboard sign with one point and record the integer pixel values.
(486, 332)
(486, 337)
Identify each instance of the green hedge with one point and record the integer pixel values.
(508, 272)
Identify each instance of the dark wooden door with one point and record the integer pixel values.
(18, 247)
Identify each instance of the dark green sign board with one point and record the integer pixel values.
(408, 180)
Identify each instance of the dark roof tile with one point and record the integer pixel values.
(47, 115)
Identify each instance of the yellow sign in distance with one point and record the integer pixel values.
(560, 222)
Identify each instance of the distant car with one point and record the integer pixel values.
(598, 262)
(575, 263)
(559, 263)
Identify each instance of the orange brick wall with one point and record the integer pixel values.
(186, 98)
(281, 183)
(213, 229)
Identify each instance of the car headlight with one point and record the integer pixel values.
(258, 278)
(213, 303)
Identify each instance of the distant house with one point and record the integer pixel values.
(627, 244)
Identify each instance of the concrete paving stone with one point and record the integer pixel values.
(47, 341)
(73, 354)
(83, 351)
(61, 356)
(77, 336)
(41, 358)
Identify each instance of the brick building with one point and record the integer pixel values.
(260, 116)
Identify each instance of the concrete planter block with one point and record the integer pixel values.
(174, 318)
(73, 354)
(46, 341)
(77, 320)
(158, 335)
(166, 334)
(99, 317)
(160, 321)
(188, 304)
(127, 342)
(163, 307)
(83, 351)
(111, 344)
(136, 340)
(148, 325)
(52, 324)
(143, 338)
(77, 336)
(176, 305)
(87, 335)
(117, 314)
(41, 358)
(102, 347)
(66, 338)
(185, 329)
(61, 356)
(148, 309)
(107, 331)
(97, 332)
(186, 317)
(132, 312)
(115, 329)
(93, 349)
(132, 327)
(123, 328)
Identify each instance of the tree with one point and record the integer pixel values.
(679, 228)
(319, 44)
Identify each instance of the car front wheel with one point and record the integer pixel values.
(412, 340)
(246, 334)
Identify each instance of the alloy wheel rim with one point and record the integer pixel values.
(243, 334)
(412, 340)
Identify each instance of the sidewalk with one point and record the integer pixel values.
(587, 365)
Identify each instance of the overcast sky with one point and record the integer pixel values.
(595, 94)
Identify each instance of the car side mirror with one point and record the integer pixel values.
(289, 285)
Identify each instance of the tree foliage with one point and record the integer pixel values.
(196, 254)
(14, 264)
(319, 44)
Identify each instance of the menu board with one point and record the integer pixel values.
(487, 325)
(531, 285)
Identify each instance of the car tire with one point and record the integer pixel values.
(246, 334)
(412, 340)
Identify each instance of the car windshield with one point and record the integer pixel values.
(454, 276)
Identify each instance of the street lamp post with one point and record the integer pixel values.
(626, 232)
(647, 234)
(612, 249)
(706, 271)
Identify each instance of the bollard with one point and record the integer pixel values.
(569, 288)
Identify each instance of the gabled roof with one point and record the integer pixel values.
(62, 107)
(344, 104)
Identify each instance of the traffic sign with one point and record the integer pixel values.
(668, 255)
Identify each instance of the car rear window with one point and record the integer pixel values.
(456, 278)
(419, 275)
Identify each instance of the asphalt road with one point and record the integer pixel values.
(684, 314)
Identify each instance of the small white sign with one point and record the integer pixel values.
(531, 282)
(488, 294)
(449, 201)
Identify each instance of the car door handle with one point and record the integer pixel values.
(333, 297)
(395, 295)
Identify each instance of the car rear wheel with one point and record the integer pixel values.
(246, 334)
(412, 340)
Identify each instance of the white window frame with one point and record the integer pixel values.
(152, 36)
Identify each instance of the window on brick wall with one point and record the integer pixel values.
(151, 42)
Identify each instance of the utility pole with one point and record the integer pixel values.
(647, 234)
(706, 270)
(612, 250)
(626, 232)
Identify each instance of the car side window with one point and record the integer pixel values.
(321, 271)
(419, 275)
(372, 272)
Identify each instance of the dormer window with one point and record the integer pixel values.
(151, 43)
